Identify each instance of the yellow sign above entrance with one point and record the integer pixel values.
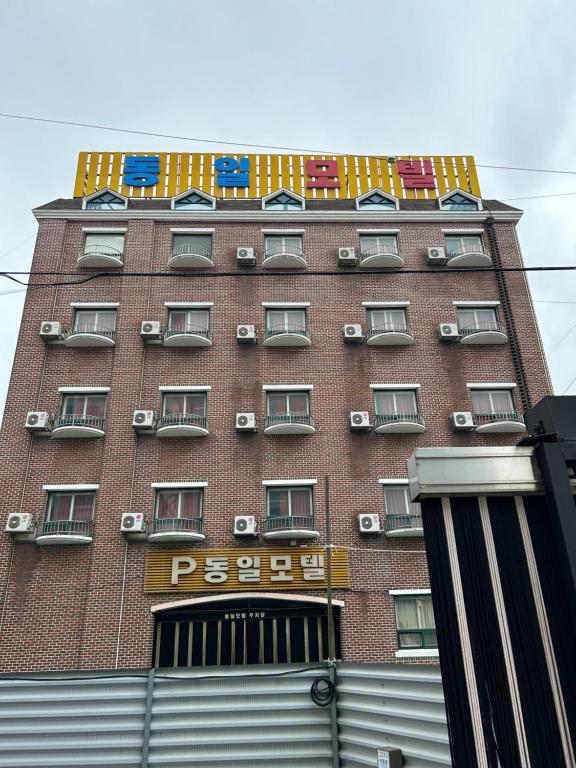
(239, 176)
(243, 569)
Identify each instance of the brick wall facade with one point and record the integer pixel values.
(84, 607)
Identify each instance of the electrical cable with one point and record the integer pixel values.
(322, 691)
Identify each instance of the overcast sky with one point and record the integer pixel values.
(493, 79)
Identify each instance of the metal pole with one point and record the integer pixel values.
(147, 718)
(331, 638)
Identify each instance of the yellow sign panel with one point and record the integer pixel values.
(226, 570)
(239, 176)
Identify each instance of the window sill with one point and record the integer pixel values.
(417, 653)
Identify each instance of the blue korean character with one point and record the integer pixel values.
(141, 171)
(232, 172)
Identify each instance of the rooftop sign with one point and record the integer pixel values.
(323, 177)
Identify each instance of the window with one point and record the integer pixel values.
(477, 318)
(283, 244)
(184, 404)
(70, 506)
(107, 244)
(286, 320)
(457, 244)
(192, 244)
(83, 409)
(458, 202)
(283, 202)
(415, 622)
(283, 405)
(488, 401)
(290, 502)
(101, 321)
(376, 201)
(387, 319)
(107, 201)
(189, 321)
(193, 202)
(398, 504)
(371, 244)
(179, 504)
(391, 402)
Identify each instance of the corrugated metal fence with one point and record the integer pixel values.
(212, 718)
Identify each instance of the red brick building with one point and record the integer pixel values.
(375, 332)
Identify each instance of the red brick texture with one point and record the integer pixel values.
(61, 606)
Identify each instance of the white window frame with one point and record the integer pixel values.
(411, 508)
(86, 395)
(196, 488)
(73, 494)
(286, 310)
(388, 324)
(394, 391)
(490, 391)
(385, 195)
(297, 198)
(209, 198)
(97, 311)
(468, 195)
(414, 594)
(185, 394)
(88, 198)
(289, 488)
(382, 241)
(462, 238)
(287, 393)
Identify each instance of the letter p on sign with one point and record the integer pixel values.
(182, 566)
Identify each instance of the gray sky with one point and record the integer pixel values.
(493, 79)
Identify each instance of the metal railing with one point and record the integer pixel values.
(190, 249)
(392, 418)
(390, 328)
(276, 330)
(289, 523)
(490, 418)
(191, 419)
(68, 527)
(177, 525)
(479, 327)
(277, 250)
(461, 250)
(376, 249)
(289, 418)
(401, 522)
(99, 330)
(191, 330)
(417, 638)
(77, 420)
(102, 250)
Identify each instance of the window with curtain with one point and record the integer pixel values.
(458, 202)
(395, 402)
(106, 202)
(415, 622)
(284, 202)
(201, 244)
(486, 401)
(84, 406)
(70, 506)
(193, 202)
(283, 244)
(289, 502)
(398, 503)
(460, 243)
(296, 403)
(482, 318)
(286, 320)
(376, 243)
(189, 320)
(387, 319)
(185, 403)
(106, 242)
(90, 320)
(376, 202)
(174, 504)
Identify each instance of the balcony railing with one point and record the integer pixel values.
(182, 419)
(193, 330)
(292, 250)
(102, 250)
(376, 249)
(491, 418)
(382, 419)
(464, 250)
(289, 418)
(74, 420)
(403, 522)
(92, 328)
(178, 525)
(276, 330)
(480, 327)
(390, 328)
(189, 249)
(417, 638)
(67, 528)
(289, 523)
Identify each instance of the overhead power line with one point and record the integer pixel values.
(236, 143)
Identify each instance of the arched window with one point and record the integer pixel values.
(283, 201)
(459, 201)
(376, 201)
(106, 201)
(193, 201)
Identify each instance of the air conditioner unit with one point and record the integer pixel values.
(38, 421)
(246, 422)
(436, 255)
(448, 332)
(151, 330)
(359, 420)
(133, 522)
(245, 256)
(245, 525)
(347, 257)
(20, 522)
(143, 420)
(353, 332)
(49, 329)
(246, 334)
(368, 523)
(462, 421)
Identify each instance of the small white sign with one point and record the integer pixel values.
(383, 758)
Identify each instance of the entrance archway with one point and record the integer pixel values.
(243, 628)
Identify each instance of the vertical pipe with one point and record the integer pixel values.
(334, 717)
(331, 639)
(147, 719)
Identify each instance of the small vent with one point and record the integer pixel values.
(242, 253)
(350, 330)
(345, 253)
(357, 418)
(147, 327)
(242, 420)
(47, 328)
(460, 418)
(15, 521)
(241, 524)
(435, 253)
(128, 522)
(367, 522)
(140, 417)
(33, 419)
(243, 331)
(446, 329)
